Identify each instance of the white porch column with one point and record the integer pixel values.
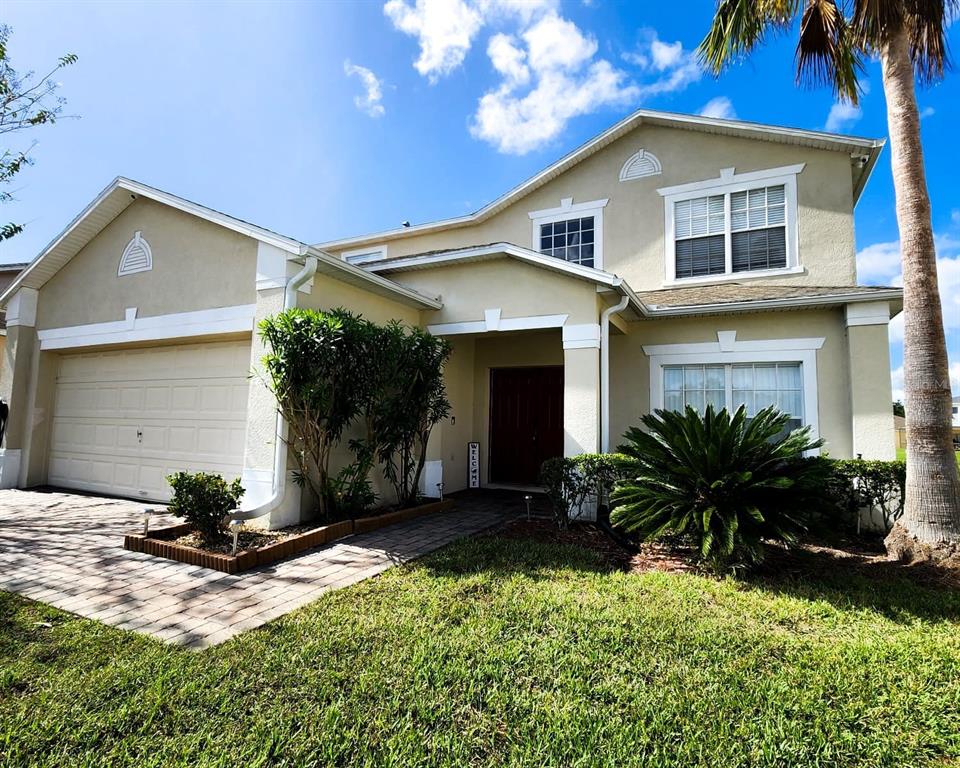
(870, 393)
(581, 389)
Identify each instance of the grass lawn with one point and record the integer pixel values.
(497, 652)
(902, 455)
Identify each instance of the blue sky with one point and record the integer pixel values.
(322, 120)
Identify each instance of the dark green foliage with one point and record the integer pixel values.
(898, 409)
(204, 500)
(860, 483)
(334, 371)
(728, 482)
(25, 102)
(571, 481)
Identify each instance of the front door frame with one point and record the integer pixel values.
(557, 368)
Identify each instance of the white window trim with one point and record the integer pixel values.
(728, 182)
(570, 210)
(727, 350)
(365, 255)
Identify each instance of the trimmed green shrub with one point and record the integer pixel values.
(204, 500)
(570, 482)
(877, 484)
(726, 481)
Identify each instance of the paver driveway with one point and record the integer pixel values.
(67, 550)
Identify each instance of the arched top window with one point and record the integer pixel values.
(136, 257)
(641, 164)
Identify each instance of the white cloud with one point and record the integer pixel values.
(927, 112)
(549, 68)
(842, 116)
(508, 59)
(721, 106)
(370, 102)
(955, 216)
(444, 28)
(550, 75)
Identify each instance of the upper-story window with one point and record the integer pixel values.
(573, 232)
(572, 240)
(739, 225)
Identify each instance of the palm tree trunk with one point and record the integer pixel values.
(930, 526)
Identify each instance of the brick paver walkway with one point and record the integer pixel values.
(67, 550)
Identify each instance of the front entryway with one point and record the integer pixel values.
(526, 422)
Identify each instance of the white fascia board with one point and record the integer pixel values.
(868, 313)
(201, 211)
(493, 322)
(402, 293)
(654, 310)
(205, 322)
(506, 249)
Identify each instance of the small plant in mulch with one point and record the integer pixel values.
(204, 500)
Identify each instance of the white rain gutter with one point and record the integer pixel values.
(280, 449)
(605, 370)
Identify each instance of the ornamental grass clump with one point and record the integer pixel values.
(728, 482)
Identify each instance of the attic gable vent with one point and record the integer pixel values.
(136, 257)
(641, 164)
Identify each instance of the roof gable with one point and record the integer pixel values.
(869, 149)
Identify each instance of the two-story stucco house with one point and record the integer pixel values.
(671, 260)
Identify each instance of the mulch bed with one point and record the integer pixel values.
(249, 539)
(812, 558)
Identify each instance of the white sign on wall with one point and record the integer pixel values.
(473, 465)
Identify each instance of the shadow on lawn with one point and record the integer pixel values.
(854, 578)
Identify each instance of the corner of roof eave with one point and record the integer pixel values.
(403, 293)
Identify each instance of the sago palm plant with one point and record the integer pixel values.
(726, 481)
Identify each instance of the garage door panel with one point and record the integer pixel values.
(124, 420)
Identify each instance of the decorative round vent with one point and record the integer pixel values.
(136, 257)
(641, 164)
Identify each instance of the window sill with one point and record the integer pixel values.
(734, 277)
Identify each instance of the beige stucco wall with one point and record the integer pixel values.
(196, 265)
(516, 288)
(870, 392)
(467, 378)
(630, 367)
(634, 217)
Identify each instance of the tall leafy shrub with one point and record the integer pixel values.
(410, 404)
(309, 369)
(572, 481)
(727, 481)
(330, 371)
(204, 500)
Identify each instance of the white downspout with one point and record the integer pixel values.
(280, 449)
(605, 371)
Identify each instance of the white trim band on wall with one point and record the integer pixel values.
(205, 322)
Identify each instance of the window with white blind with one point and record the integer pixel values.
(732, 226)
(754, 385)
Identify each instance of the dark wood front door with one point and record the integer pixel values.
(526, 421)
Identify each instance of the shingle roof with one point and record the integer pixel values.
(729, 293)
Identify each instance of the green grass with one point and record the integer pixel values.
(902, 455)
(508, 653)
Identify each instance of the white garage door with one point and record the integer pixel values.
(125, 419)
